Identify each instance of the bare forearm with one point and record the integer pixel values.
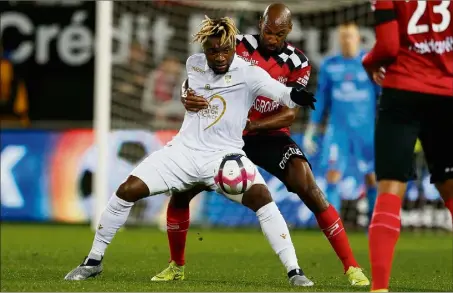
(274, 122)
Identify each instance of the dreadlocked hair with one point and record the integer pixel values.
(222, 27)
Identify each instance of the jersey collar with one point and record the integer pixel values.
(280, 57)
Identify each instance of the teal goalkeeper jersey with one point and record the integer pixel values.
(345, 90)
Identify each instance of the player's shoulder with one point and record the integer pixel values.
(333, 63)
(196, 59)
(244, 68)
(298, 52)
(241, 65)
(333, 58)
(330, 59)
(196, 63)
(293, 57)
(239, 62)
(248, 40)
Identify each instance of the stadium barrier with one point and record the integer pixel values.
(46, 177)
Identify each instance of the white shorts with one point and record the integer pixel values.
(176, 168)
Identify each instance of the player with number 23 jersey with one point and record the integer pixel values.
(414, 44)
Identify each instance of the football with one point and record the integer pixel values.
(235, 174)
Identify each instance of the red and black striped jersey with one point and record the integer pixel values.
(290, 67)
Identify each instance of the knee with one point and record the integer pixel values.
(132, 190)
(393, 187)
(333, 176)
(256, 197)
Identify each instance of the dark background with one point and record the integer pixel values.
(62, 92)
(56, 90)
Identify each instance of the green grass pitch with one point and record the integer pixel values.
(37, 257)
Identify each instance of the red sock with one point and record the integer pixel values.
(449, 206)
(178, 221)
(384, 232)
(330, 223)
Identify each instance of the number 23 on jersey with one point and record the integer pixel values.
(415, 26)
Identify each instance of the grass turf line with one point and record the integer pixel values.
(37, 257)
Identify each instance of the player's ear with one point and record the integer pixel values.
(290, 27)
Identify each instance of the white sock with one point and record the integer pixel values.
(113, 217)
(276, 231)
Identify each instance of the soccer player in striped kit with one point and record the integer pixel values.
(268, 144)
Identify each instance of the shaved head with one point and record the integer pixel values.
(278, 14)
(275, 25)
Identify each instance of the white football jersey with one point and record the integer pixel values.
(230, 97)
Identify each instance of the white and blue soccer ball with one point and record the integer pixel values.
(235, 174)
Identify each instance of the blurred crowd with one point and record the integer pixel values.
(158, 89)
(151, 88)
(13, 95)
(145, 90)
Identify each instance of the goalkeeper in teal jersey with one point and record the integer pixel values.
(350, 96)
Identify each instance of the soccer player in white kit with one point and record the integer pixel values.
(188, 161)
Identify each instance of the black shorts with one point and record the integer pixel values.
(272, 153)
(402, 117)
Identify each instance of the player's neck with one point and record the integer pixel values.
(351, 54)
(268, 54)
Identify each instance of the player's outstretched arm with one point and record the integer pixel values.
(262, 84)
